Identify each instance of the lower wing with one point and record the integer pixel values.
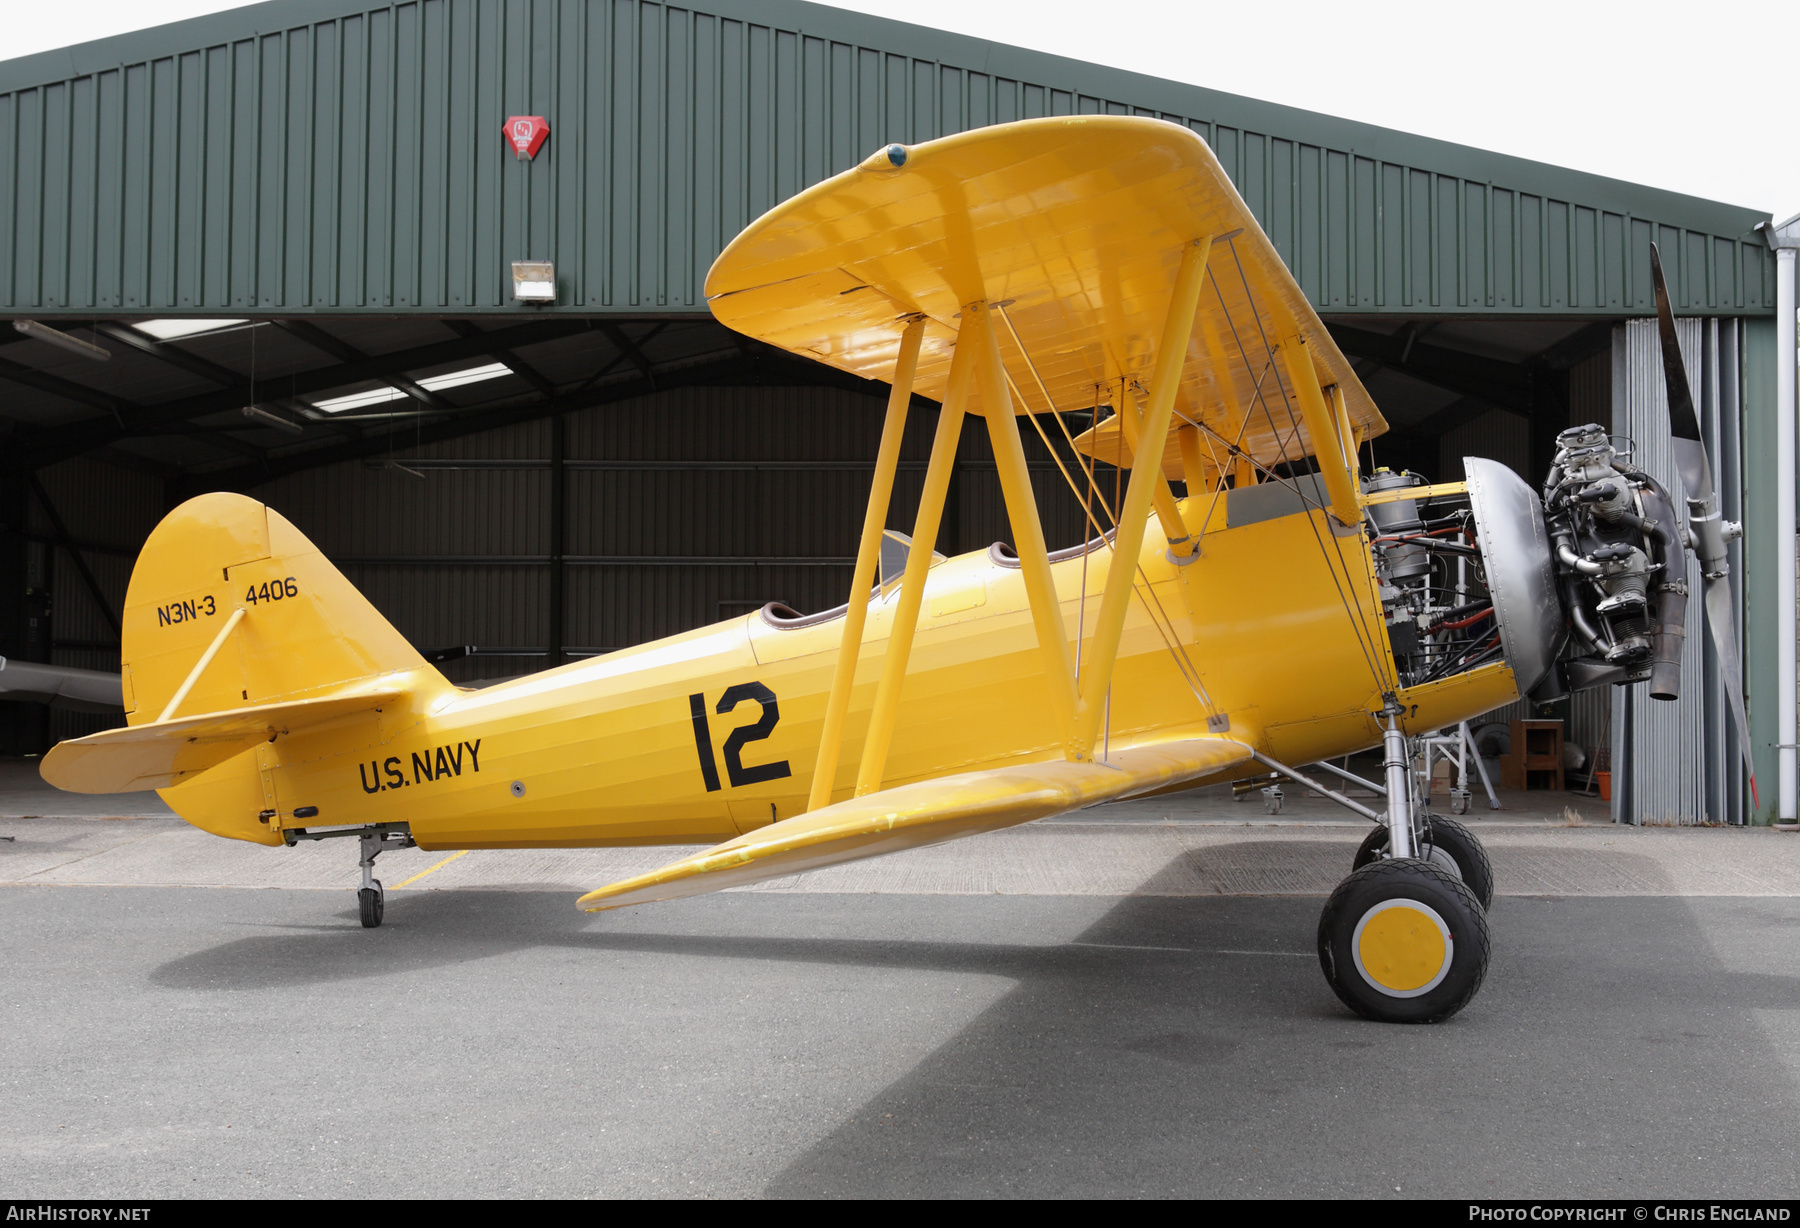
(929, 812)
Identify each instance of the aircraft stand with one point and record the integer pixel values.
(1458, 748)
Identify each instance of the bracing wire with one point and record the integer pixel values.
(1165, 627)
(1352, 610)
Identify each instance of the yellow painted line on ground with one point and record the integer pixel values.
(431, 870)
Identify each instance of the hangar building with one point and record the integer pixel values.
(292, 228)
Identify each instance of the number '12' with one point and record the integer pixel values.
(735, 770)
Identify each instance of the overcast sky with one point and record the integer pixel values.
(1684, 97)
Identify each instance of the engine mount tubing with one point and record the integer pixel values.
(1294, 775)
(868, 556)
(1399, 790)
(1146, 471)
(1022, 512)
(880, 736)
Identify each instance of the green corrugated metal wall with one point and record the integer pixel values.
(312, 155)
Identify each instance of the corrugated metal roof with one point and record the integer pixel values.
(326, 156)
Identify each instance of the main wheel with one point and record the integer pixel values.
(1444, 843)
(1403, 941)
(371, 905)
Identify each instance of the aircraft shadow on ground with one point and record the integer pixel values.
(431, 929)
(1609, 1053)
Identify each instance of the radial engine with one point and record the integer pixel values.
(1581, 587)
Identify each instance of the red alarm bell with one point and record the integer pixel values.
(527, 133)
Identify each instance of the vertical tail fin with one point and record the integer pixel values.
(306, 632)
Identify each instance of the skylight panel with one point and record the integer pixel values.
(434, 383)
(359, 400)
(474, 375)
(169, 330)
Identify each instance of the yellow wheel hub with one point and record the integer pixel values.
(1403, 948)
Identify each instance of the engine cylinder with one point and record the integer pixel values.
(1404, 560)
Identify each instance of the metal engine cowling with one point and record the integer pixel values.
(1515, 548)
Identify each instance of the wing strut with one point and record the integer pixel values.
(868, 555)
(1347, 433)
(1146, 471)
(873, 763)
(1021, 510)
(1193, 465)
(1322, 426)
(1181, 542)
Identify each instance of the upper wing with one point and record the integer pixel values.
(926, 813)
(1076, 226)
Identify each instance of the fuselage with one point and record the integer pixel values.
(1274, 633)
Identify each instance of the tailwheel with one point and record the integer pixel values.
(371, 903)
(1404, 941)
(1445, 843)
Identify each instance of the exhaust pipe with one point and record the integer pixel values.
(1671, 601)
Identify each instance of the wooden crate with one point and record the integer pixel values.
(1536, 758)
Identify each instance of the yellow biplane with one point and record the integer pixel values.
(1278, 609)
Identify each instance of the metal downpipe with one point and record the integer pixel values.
(1785, 684)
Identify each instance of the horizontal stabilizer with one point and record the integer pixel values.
(929, 812)
(159, 754)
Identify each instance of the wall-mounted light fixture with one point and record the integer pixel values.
(534, 281)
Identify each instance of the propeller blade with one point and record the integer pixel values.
(1684, 423)
(1724, 636)
(1704, 518)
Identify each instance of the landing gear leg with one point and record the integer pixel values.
(1403, 940)
(1396, 763)
(371, 899)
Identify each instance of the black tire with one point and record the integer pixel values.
(1448, 838)
(1416, 992)
(371, 905)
